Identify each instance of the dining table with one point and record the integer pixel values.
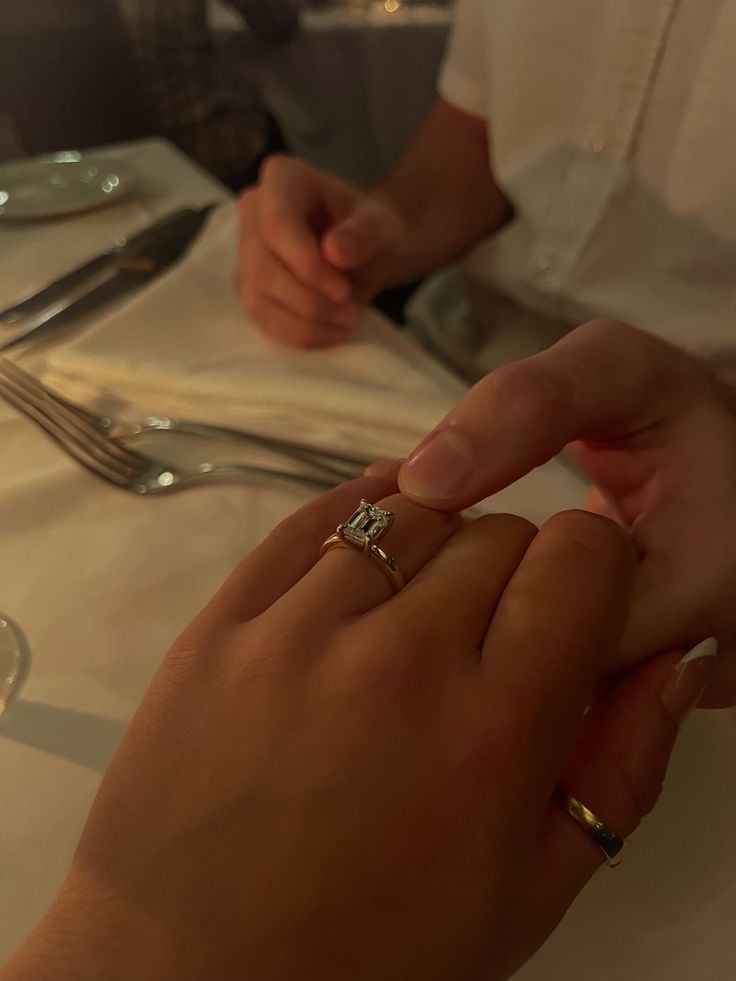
(101, 581)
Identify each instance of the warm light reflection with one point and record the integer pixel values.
(391, 6)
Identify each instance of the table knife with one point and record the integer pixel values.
(124, 267)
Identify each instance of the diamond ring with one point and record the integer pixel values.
(362, 532)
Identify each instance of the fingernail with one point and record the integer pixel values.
(689, 679)
(440, 468)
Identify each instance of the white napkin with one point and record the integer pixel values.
(183, 347)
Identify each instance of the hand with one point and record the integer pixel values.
(313, 250)
(318, 782)
(651, 429)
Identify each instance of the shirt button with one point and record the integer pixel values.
(599, 144)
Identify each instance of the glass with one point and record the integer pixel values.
(14, 659)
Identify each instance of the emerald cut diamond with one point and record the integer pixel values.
(367, 525)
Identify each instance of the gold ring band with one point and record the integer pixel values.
(362, 532)
(611, 844)
(382, 559)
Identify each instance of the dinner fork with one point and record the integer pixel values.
(74, 429)
(334, 464)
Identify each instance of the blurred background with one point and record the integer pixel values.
(340, 83)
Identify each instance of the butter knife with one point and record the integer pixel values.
(125, 266)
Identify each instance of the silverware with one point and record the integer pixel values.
(126, 265)
(333, 464)
(347, 467)
(110, 458)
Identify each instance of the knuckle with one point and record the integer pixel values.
(513, 523)
(594, 534)
(605, 327)
(310, 266)
(247, 203)
(181, 659)
(272, 225)
(273, 167)
(626, 343)
(529, 390)
(667, 365)
(308, 306)
(381, 667)
(303, 526)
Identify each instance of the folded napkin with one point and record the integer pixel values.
(184, 348)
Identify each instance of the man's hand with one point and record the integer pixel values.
(656, 436)
(313, 250)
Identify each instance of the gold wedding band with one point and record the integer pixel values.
(362, 532)
(611, 844)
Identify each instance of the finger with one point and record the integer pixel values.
(347, 583)
(599, 503)
(605, 381)
(456, 592)
(263, 273)
(617, 769)
(287, 554)
(290, 196)
(289, 330)
(367, 232)
(384, 468)
(275, 281)
(556, 627)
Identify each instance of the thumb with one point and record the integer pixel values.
(617, 770)
(603, 382)
(360, 237)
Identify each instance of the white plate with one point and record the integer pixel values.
(62, 184)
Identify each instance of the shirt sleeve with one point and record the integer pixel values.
(463, 78)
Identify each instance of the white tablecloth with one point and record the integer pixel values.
(355, 85)
(34, 253)
(102, 582)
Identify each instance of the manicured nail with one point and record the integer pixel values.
(439, 469)
(689, 679)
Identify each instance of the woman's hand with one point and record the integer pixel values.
(655, 433)
(326, 781)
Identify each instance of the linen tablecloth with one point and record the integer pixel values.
(35, 253)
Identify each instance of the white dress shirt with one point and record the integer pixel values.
(613, 132)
